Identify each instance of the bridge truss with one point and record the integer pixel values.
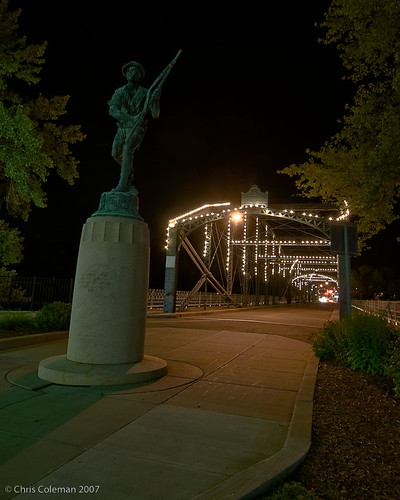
(253, 249)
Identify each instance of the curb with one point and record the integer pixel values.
(269, 472)
(262, 476)
(203, 312)
(38, 338)
(35, 338)
(335, 315)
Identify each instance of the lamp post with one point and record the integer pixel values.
(344, 244)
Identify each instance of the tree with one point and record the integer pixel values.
(32, 144)
(370, 283)
(360, 164)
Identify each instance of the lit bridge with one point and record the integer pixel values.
(254, 250)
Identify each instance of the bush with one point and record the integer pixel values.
(369, 343)
(16, 322)
(56, 316)
(291, 491)
(331, 342)
(392, 365)
(361, 342)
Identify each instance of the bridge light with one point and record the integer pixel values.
(237, 217)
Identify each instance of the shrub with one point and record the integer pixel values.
(55, 315)
(361, 342)
(392, 365)
(369, 343)
(291, 491)
(331, 342)
(16, 322)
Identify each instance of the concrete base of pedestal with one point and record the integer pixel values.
(60, 370)
(109, 306)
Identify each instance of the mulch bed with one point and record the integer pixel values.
(355, 452)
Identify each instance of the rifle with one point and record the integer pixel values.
(160, 81)
(161, 78)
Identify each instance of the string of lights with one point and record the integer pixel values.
(255, 238)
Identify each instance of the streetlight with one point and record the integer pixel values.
(237, 217)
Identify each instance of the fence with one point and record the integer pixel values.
(203, 299)
(30, 294)
(19, 293)
(388, 309)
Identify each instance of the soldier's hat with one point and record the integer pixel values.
(133, 63)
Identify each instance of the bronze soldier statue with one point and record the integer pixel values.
(132, 105)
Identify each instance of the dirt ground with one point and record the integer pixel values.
(355, 451)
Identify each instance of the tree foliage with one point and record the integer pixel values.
(371, 283)
(10, 244)
(32, 141)
(360, 164)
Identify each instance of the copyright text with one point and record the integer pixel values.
(49, 489)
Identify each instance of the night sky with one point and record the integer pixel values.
(251, 91)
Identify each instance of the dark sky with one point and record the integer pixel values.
(251, 91)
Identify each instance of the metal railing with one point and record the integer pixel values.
(388, 309)
(209, 299)
(31, 293)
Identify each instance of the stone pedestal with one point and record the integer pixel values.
(109, 308)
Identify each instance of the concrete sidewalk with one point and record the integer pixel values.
(231, 417)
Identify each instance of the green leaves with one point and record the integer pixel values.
(32, 143)
(10, 244)
(367, 35)
(17, 60)
(362, 342)
(24, 165)
(55, 315)
(361, 163)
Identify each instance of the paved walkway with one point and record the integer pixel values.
(231, 417)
